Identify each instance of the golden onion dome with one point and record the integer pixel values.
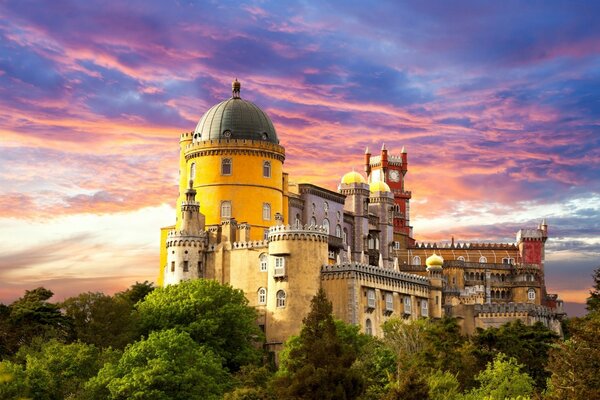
(379, 186)
(353, 177)
(434, 261)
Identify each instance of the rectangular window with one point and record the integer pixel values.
(199, 268)
(267, 169)
(279, 267)
(265, 234)
(424, 308)
(172, 266)
(186, 266)
(266, 211)
(226, 209)
(371, 298)
(226, 166)
(389, 302)
(396, 245)
(407, 306)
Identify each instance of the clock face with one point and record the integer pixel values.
(394, 176)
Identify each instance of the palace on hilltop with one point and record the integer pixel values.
(241, 220)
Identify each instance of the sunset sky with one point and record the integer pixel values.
(497, 104)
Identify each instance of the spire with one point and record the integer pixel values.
(235, 89)
(403, 150)
(367, 150)
(383, 147)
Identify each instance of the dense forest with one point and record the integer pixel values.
(199, 340)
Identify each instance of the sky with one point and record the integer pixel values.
(496, 103)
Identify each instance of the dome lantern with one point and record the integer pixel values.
(434, 262)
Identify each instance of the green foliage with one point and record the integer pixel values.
(31, 316)
(167, 365)
(52, 370)
(593, 302)
(407, 340)
(136, 292)
(443, 386)
(575, 363)
(13, 381)
(502, 379)
(529, 345)
(102, 320)
(214, 315)
(410, 385)
(376, 363)
(318, 363)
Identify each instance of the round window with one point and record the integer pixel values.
(227, 133)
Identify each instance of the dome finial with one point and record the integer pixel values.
(235, 89)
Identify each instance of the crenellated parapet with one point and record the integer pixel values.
(254, 244)
(234, 147)
(372, 271)
(512, 309)
(470, 246)
(298, 232)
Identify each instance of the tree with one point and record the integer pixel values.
(167, 365)
(136, 292)
(102, 320)
(502, 379)
(318, 363)
(51, 370)
(443, 386)
(529, 345)
(407, 340)
(593, 302)
(214, 315)
(31, 316)
(575, 363)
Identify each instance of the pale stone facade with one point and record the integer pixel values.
(241, 221)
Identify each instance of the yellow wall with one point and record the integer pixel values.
(163, 253)
(246, 187)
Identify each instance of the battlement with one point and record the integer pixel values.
(183, 234)
(217, 146)
(512, 309)
(298, 232)
(530, 235)
(253, 244)
(186, 136)
(472, 245)
(374, 272)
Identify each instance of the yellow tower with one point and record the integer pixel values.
(235, 162)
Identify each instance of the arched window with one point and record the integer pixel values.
(193, 171)
(416, 260)
(460, 258)
(371, 242)
(225, 209)
(267, 169)
(313, 221)
(482, 260)
(297, 221)
(226, 166)
(266, 211)
(262, 296)
(338, 231)
(339, 216)
(345, 237)
(263, 262)
(531, 294)
(280, 299)
(326, 225)
(325, 206)
(368, 327)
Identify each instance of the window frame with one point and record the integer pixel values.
(278, 267)
(262, 296)
(263, 263)
(266, 211)
(226, 161)
(371, 299)
(267, 169)
(416, 260)
(229, 207)
(389, 302)
(281, 298)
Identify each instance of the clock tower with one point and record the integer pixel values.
(392, 169)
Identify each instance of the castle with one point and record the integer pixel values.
(240, 220)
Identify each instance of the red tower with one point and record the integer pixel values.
(392, 169)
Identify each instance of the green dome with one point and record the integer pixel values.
(235, 118)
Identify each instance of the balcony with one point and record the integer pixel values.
(334, 241)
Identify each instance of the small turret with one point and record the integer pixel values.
(192, 221)
(368, 162)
